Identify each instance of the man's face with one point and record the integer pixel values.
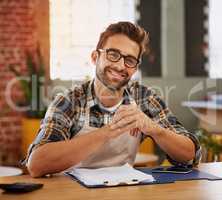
(116, 75)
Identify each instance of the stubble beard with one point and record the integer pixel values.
(101, 75)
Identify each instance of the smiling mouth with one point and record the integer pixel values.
(116, 75)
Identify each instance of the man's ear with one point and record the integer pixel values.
(94, 57)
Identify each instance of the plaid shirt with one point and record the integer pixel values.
(66, 115)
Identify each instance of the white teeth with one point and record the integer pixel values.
(116, 74)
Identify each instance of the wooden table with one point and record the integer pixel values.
(63, 188)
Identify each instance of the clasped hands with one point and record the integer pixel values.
(131, 118)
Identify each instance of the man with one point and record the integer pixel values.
(102, 122)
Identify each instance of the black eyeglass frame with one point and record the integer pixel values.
(138, 61)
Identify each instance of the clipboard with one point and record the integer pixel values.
(120, 184)
(124, 175)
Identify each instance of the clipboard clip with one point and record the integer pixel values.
(116, 183)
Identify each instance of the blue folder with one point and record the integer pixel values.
(160, 178)
(195, 174)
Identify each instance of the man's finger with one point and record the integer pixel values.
(126, 107)
(122, 115)
(127, 128)
(123, 122)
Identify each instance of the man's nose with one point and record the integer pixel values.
(120, 65)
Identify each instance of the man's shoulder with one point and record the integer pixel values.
(77, 92)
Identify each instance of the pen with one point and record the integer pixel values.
(134, 132)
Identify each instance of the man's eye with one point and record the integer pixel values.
(114, 55)
(131, 61)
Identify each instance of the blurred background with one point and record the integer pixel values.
(45, 48)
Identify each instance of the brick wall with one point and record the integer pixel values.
(18, 32)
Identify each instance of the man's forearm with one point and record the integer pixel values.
(178, 147)
(58, 156)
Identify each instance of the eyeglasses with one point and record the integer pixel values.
(114, 55)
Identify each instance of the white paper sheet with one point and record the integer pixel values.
(111, 175)
(9, 171)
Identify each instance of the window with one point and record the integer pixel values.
(215, 41)
(203, 38)
(75, 26)
(150, 20)
(195, 42)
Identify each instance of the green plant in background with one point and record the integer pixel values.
(210, 142)
(32, 83)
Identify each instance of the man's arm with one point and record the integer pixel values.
(57, 156)
(178, 146)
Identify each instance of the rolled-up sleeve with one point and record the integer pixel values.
(171, 122)
(56, 124)
(156, 109)
(176, 126)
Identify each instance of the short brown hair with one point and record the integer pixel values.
(132, 31)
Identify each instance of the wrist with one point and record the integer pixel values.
(158, 130)
(154, 130)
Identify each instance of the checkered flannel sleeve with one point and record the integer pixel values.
(56, 124)
(157, 110)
